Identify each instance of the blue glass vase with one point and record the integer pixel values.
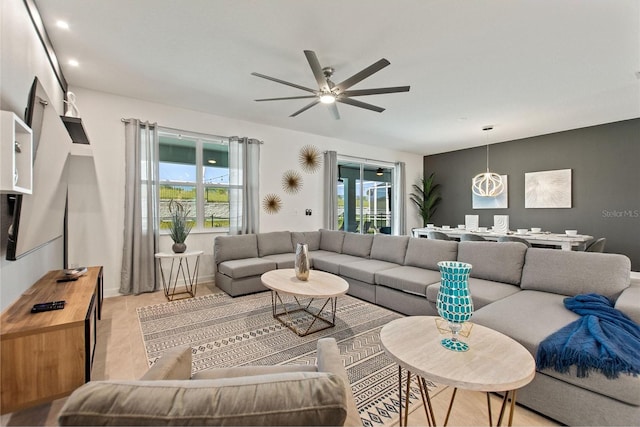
(454, 301)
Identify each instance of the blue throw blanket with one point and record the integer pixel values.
(603, 339)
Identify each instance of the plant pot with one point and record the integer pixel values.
(179, 248)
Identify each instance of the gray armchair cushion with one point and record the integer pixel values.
(427, 253)
(331, 240)
(357, 244)
(573, 273)
(498, 262)
(235, 247)
(294, 398)
(311, 238)
(277, 242)
(389, 248)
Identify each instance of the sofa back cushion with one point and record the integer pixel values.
(573, 273)
(499, 262)
(427, 253)
(389, 248)
(293, 398)
(331, 240)
(357, 244)
(235, 247)
(277, 242)
(311, 238)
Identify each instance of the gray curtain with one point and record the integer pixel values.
(140, 208)
(244, 185)
(331, 190)
(398, 206)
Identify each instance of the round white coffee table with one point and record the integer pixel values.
(324, 286)
(493, 363)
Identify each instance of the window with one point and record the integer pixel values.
(194, 170)
(364, 196)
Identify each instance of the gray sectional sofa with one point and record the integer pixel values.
(516, 290)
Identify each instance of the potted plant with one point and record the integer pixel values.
(180, 226)
(426, 198)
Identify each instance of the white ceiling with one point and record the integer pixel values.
(528, 67)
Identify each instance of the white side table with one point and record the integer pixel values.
(183, 270)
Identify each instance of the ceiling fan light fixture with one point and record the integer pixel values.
(380, 172)
(327, 98)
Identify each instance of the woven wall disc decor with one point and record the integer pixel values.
(310, 158)
(291, 181)
(272, 203)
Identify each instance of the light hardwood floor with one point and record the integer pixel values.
(120, 355)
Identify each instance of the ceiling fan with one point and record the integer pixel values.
(329, 93)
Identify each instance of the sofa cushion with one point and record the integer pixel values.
(296, 398)
(389, 248)
(277, 242)
(573, 273)
(235, 247)
(175, 364)
(331, 240)
(483, 292)
(427, 253)
(283, 260)
(357, 244)
(365, 270)
(239, 268)
(409, 279)
(331, 264)
(531, 316)
(311, 238)
(498, 262)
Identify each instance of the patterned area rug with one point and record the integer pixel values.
(226, 332)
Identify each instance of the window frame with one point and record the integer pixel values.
(200, 186)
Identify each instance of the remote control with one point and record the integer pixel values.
(48, 306)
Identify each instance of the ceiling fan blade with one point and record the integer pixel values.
(360, 104)
(305, 108)
(273, 79)
(285, 98)
(334, 111)
(317, 69)
(374, 68)
(378, 91)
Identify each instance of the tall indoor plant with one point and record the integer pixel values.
(426, 197)
(180, 226)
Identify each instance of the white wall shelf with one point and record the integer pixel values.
(16, 154)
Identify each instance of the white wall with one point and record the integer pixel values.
(96, 184)
(23, 58)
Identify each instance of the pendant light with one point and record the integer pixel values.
(487, 184)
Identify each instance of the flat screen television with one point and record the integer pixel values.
(39, 218)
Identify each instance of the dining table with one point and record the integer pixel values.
(542, 238)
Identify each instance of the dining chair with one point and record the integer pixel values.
(469, 237)
(514, 239)
(596, 245)
(436, 235)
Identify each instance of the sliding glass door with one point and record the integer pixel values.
(364, 196)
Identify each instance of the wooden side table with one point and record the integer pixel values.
(183, 270)
(493, 363)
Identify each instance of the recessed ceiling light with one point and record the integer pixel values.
(62, 24)
(73, 63)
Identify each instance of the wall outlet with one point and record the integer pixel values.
(307, 212)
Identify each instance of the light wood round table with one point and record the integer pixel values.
(493, 363)
(324, 286)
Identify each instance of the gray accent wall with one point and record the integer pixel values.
(605, 164)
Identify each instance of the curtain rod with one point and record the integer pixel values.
(198, 134)
(363, 160)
